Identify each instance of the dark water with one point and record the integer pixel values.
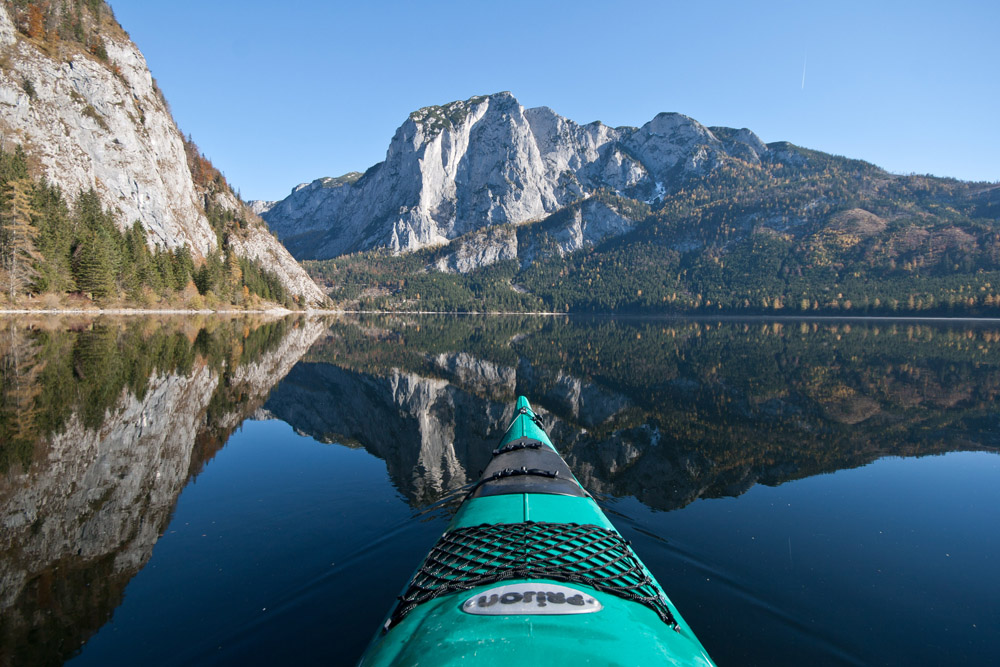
(247, 492)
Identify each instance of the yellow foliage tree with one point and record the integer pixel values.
(18, 236)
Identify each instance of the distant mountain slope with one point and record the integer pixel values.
(76, 93)
(762, 229)
(536, 212)
(460, 167)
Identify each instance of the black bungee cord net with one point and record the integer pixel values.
(585, 554)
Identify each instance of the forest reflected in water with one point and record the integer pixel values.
(104, 423)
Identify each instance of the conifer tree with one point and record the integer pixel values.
(54, 240)
(93, 267)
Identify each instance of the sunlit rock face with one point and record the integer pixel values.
(93, 128)
(453, 169)
(106, 126)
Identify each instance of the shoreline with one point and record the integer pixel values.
(625, 316)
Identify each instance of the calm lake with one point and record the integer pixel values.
(258, 491)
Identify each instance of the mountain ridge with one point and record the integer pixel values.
(669, 217)
(454, 168)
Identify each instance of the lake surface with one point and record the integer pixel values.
(228, 491)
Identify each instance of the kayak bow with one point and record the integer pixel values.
(530, 571)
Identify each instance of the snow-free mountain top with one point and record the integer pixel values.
(453, 169)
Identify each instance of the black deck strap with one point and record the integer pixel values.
(520, 443)
(475, 556)
(513, 472)
(503, 473)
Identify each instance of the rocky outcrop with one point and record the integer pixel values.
(103, 124)
(255, 242)
(259, 207)
(486, 161)
(478, 249)
(581, 225)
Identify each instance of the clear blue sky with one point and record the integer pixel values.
(282, 93)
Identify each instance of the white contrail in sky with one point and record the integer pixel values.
(804, 71)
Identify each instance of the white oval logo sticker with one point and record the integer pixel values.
(531, 598)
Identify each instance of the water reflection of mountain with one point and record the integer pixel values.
(101, 426)
(664, 411)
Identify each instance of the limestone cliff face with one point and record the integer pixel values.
(89, 123)
(467, 165)
(103, 126)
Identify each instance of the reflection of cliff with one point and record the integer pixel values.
(96, 497)
(433, 436)
(82, 518)
(666, 414)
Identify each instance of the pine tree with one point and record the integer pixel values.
(233, 278)
(138, 265)
(54, 241)
(93, 268)
(183, 267)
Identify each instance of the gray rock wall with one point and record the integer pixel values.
(457, 168)
(92, 124)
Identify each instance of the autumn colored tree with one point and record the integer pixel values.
(36, 22)
(18, 236)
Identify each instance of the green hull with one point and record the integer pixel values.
(531, 572)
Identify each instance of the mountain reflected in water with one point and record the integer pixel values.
(104, 422)
(666, 411)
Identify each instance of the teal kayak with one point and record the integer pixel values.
(531, 572)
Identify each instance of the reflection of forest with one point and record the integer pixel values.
(102, 423)
(667, 411)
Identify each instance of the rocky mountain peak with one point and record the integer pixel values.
(458, 167)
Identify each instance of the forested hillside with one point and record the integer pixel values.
(798, 232)
(53, 249)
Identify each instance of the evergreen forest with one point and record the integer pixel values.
(49, 376)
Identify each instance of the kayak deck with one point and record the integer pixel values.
(531, 571)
